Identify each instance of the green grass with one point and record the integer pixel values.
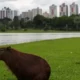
(63, 55)
(35, 31)
(28, 31)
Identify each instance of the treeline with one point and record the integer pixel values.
(65, 23)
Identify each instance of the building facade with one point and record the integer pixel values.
(45, 14)
(29, 14)
(63, 10)
(36, 12)
(74, 9)
(53, 11)
(15, 13)
(26, 15)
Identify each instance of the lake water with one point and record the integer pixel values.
(15, 38)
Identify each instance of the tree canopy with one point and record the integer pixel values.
(71, 23)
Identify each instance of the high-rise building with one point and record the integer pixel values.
(26, 15)
(45, 14)
(7, 12)
(73, 9)
(63, 10)
(53, 11)
(36, 12)
(15, 13)
(29, 14)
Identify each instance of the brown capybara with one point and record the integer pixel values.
(25, 66)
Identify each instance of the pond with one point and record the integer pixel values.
(15, 38)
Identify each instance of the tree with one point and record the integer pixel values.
(39, 21)
(27, 18)
(6, 21)
(22, 23)
(16, 22)
(2, 27)
(29, 25)
(77, 22)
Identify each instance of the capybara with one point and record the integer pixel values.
(25, 66)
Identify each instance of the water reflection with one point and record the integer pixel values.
(15, 38)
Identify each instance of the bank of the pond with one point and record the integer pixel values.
(63, 55)
(36, 31)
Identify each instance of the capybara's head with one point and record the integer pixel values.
(4, 51)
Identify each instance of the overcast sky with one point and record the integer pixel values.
(24, 5)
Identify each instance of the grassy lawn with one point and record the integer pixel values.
(35, 31)
(28, 31)
(63, 55)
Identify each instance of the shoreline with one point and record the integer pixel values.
(38, 31)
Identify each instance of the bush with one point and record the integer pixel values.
(25, 29)
(46, 29)
(2, 28)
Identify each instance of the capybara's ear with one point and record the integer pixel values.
(8, 48)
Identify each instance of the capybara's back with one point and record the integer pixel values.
(25, 66)
(36, 68)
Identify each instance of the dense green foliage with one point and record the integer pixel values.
(64, 23)
(63, 55)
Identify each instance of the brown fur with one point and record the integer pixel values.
(25, 66)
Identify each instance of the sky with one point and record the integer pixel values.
(25, 5)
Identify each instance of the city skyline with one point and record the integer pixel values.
(25, 5)
(64, 9)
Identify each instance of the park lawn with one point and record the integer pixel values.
(63, 55)
(28, 31)
(36, 31)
